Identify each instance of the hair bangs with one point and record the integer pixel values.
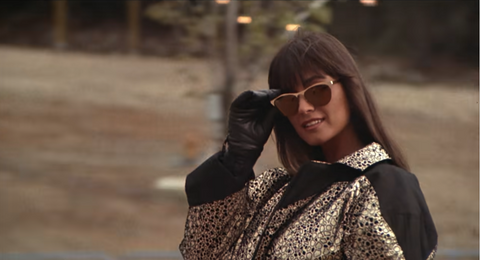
(285, 71)
(296, 60)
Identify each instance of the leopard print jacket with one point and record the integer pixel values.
(361, 207)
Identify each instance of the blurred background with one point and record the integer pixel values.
(106, 106)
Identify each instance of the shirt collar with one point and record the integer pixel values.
(364, 157)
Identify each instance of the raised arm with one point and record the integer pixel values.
(216, 190)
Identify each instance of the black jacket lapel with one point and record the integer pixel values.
(314, 178)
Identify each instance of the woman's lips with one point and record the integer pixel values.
(312, 124)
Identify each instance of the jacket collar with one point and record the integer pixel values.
(364, 157)
(316, 176)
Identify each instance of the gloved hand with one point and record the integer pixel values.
(250, 123)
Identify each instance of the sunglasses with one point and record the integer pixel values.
(318, 94)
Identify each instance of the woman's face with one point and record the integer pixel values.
(318, 125)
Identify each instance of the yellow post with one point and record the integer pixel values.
(133, 13)
(60, 23)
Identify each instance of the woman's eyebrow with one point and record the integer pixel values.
(308, 81)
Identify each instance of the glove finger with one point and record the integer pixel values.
(270, 117)
(263, 97)
(242, 99)
(255, 98)
(259, 97)
(273, 93)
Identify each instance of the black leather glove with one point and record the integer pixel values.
(250, 123)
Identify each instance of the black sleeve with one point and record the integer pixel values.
(212, 181)
(404, 208)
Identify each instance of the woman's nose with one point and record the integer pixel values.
(303, 105)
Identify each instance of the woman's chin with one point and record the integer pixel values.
(315, 142)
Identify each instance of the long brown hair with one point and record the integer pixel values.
(324, 54)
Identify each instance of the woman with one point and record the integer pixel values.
(344, 191)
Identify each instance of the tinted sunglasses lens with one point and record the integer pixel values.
(318, 95)
(288, 105)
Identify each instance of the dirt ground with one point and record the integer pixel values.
(84, 138)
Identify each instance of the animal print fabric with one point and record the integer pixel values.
(344, 222)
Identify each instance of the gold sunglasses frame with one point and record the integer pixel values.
(331, 82)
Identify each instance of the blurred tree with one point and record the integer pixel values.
(419, 30)
(239, 51)
(416, 30)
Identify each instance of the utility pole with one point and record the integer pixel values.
(133, 14)
(223, 65)
(231, 54)
(215, 110)
(60, 17)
